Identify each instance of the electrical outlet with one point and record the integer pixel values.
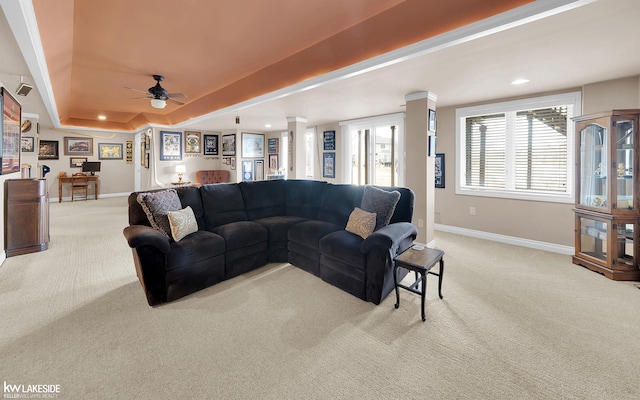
(472, 211)
(420, 223)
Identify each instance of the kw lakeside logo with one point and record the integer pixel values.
(22, 391)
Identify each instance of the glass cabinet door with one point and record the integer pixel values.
(593, 166)
(624, 243)
(624, 135)
(593, 238)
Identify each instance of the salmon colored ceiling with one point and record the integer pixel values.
(220, 52)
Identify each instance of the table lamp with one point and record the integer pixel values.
(180, 169)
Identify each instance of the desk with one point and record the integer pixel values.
(420, 260)
(69, 180)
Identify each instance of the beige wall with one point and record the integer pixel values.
(532, 220)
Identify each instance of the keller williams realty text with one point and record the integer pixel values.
(30, 391)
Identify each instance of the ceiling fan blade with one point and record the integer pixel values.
(137, 90)
(175, 101)
(177, 95)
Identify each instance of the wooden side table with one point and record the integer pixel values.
(420, 260)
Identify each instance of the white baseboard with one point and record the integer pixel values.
(534, 244)
(3, 256)
(101, 196)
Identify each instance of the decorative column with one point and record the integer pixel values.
(420, 165)
(296, 129)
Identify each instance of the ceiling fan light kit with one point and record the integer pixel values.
(158, 103)
(159, 95)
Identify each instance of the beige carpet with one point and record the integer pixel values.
(515, 323)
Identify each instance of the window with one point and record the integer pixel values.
(520, 149)
(373, 148)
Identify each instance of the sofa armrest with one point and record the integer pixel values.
(389, 236)
(142, 235)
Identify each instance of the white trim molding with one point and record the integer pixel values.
(516, 241)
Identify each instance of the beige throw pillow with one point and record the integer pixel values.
(183, 222)
(361, 222)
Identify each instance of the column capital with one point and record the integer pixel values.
(421, 95)
(297, 119)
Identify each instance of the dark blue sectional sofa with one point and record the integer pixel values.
(243, 226)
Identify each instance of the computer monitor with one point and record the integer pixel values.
(91, 166)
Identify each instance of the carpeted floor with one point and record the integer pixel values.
(515, 323)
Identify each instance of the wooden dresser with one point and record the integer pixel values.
(26, 216)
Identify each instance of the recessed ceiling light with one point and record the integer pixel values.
(521, 81)
(267, 125)
(102, 117)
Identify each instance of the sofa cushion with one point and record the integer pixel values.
(182, 223)
(309, 233)
(156, 205)
(190, 196)
(381, 202)
(303, 197)
(263, 199)
(337, 203)
(241, 234)
(344, 246)
(201, 245)
(223, 204)
(278, 227)
(361, 222)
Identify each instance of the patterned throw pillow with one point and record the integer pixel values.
(361, 222)
(182, 222)
(156, 205)
(381, 202)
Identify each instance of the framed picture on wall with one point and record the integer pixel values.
(247, 170)
(27, 144)
(273, 162)
(76, 162)
(329, 140)
(110, 151)
(48, 150)
(432, 120)
(329, 165)
(192, 142)
(440, 170)
(258, 170)
(210, 145)
(273, 145)
(229, 145)
(78, 146)
(10, 146)
(170, 146)
(252, 145)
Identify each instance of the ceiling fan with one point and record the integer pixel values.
(159, 95)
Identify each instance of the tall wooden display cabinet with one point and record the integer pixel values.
(607, 208)
(26, 216)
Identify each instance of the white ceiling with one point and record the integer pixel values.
(596, 42)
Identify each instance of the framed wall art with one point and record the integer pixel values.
(27, 144)
(170, 146)
(11, 131)
(210, 145)
(110, 151)
(76, 162)
(252, 145)
(48, 150)
(432, 120)
(78, 146)
(192, 142)
(273, 145)
(439, 170)
(329, 140)
(247, 170)
(329, 165)
(258, 170)
(229, 145)
(273, 162)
